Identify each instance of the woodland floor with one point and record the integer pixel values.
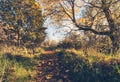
(50, 68)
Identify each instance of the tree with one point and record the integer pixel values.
(24, 19)
(101, 17)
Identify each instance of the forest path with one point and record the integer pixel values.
(50, 68)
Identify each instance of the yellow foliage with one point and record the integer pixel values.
(84, 21)
(37, 5)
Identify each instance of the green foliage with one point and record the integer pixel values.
(6, 70)
(24, 18)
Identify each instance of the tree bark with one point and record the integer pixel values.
(114, 36)
(18, 39)
(115, 43)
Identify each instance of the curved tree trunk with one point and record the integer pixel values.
(115, 43)
(114, 29)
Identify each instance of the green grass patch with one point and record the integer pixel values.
(17, 65)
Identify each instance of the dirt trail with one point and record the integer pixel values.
(50, 69)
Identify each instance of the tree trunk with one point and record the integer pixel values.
(114, 29)
(18, 39)
(115, 43)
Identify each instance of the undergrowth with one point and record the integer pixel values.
(18, 64)
(91, 67)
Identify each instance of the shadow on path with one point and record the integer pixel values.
(50, 69)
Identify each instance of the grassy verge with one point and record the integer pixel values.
(91, 67)
(18, 64)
